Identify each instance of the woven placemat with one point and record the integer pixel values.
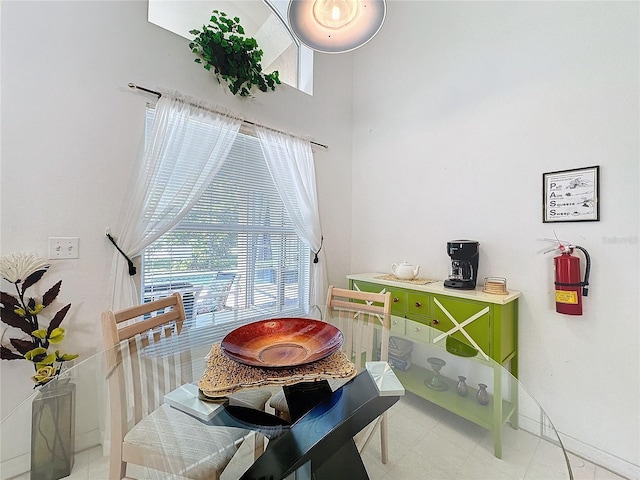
(415, 281)
(223, 376)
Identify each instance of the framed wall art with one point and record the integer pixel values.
(571, 195)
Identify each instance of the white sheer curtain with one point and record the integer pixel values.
(290, 162)
(171, 176)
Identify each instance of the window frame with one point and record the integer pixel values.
(248, 310)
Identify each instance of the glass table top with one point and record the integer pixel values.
(462, 415)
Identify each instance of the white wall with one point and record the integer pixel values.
(458, 110)
(459, 107)
(71, 130)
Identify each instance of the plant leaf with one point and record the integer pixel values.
(22, 346)
(57, 319)
(33, 278)
(8, 301)
(7, 354)
(51, 294)
(12, 319)
(57, 335)
(41, 334)
(36, 355)
(65, 357)
(48, 360)
(230, 56)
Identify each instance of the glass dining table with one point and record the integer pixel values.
(451, 413)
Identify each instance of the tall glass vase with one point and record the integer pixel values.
(53, 413)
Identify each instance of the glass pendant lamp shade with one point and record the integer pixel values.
(336, 26)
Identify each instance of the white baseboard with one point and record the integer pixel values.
(15, 466)
(592, 454)
(22, 463)
(617, 465)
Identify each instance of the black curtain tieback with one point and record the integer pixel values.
(132, 267)
(315, 258)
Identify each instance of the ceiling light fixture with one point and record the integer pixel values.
(336, 26)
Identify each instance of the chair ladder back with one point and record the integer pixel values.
(135, 370)
(359, 322)
(368, 327)
(153, 322)
(368, 310)
(359, 313)
(162, 375)
(345, 325)
(147, 357)
(379, 303)
(176, 314)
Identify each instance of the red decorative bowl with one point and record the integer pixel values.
(282, 342)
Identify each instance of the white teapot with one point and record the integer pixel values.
(405, 271)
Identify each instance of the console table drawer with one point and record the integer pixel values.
(418, 305)
(397, 325)
(418, 332)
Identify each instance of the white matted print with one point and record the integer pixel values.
(571, 195)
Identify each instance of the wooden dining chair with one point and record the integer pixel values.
(360, 316)
(144, 361)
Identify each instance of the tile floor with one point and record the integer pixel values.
(425, 443)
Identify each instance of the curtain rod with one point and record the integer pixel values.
(158, 94)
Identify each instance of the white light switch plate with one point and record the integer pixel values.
(64, 247)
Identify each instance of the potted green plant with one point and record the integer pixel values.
(221, 47)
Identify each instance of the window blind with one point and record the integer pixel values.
(235, 256)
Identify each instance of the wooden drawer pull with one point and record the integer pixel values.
(417, 329)
(435, 322)
(418, 304)
(395, 300)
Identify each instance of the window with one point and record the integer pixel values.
(235, 256)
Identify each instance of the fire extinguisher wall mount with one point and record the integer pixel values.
(569, 288)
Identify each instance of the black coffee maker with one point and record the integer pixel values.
(464, 264)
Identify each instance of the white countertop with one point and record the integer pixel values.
(438, 288)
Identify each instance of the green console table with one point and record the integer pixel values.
(476, 321)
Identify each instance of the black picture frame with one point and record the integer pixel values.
(571, 195)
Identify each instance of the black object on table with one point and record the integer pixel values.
(323, 435)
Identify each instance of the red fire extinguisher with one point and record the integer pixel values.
(569, 287)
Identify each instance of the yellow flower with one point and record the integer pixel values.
(36, 310)
(65, 357)
(57, 335)
(15, 268)
(40, 357)
(44, 374)
(48, 360)
(35, 354)
(40, 333)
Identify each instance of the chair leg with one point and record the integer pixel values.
(384, 442)
(117, 468)
(364, 437)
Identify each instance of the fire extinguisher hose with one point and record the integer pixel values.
(587, 270)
